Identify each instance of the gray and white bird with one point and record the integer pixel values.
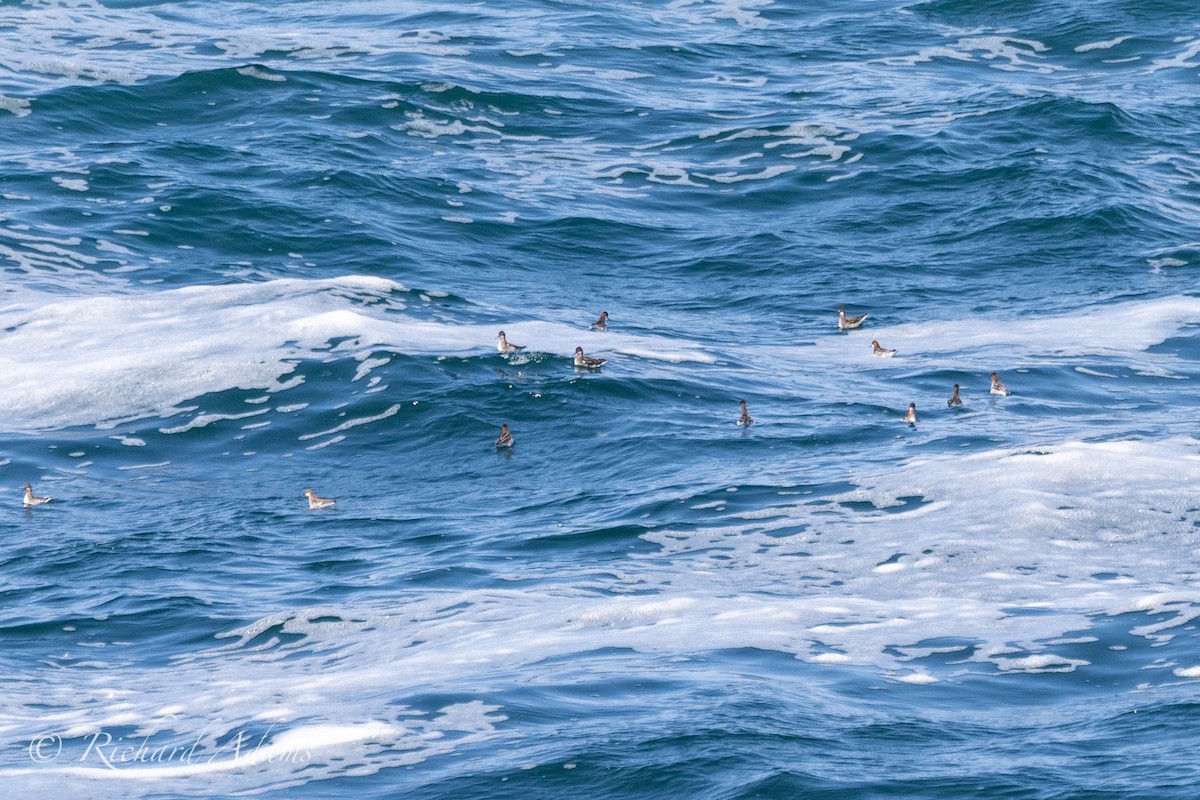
(31, 499)
(504, 346)
(847, 323)
(315, 502)
(505, 439)
(745, 419)
(587, 362)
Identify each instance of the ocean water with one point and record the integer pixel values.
(252, 248)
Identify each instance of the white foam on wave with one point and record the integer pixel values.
(1182, 60)
(998, 532)
(1040, 663)
(697, 12)
(420, 125)
(690, 164)
(128, 44)
(1003, 52)
(601, 74)
(917, 678)
(390, 412)
(765, 174)
(262, 74)
(103, 358)
(16, 106)
(1121, 331)
(1105, 45)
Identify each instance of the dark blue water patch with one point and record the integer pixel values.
(597, 545)
(988, 13)
(1186, 346)
(813, 742)
(944, 652)
(901, 505)
(637, 754)
(119, 632)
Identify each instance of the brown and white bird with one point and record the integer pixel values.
(745, 419)
(504, 346)
(587, 362)
(999, 388)
(505, 439)
(602, 323)
(911, 416)
(847, 323)
(315, 502)
(881, 351)
(954, 400)
(33, 500)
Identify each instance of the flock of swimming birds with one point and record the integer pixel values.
(846, 323)
(582, 361)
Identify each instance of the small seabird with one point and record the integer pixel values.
(315, 502)
(998, 387)
(846, 323)
(745, 419)
(587, 362)
(33, 500)
(504, 346)
(602, 323)
(882, 352)
(911, 416)
(505, 439)
(954, 400)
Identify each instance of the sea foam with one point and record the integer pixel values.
(103, 358)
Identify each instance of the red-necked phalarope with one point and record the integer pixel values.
(745, 418)
(33, 500)
(998, 387)
(911, 416)
(505, 439)
(602, 323)
(954, 400)
(846, 323)
(315, 502)
(587, 362)
(882, 352)
(504, 346)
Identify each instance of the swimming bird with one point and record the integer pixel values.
(602, 323)
(846, 323)
(882, 352)
(315, 502)
(587, 362)
(911, 416)
(745, 419)
(505, 439)
(954, 400)
(33, 500)
(998, 387)
(504, 346)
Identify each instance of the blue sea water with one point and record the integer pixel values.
(249, 249)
